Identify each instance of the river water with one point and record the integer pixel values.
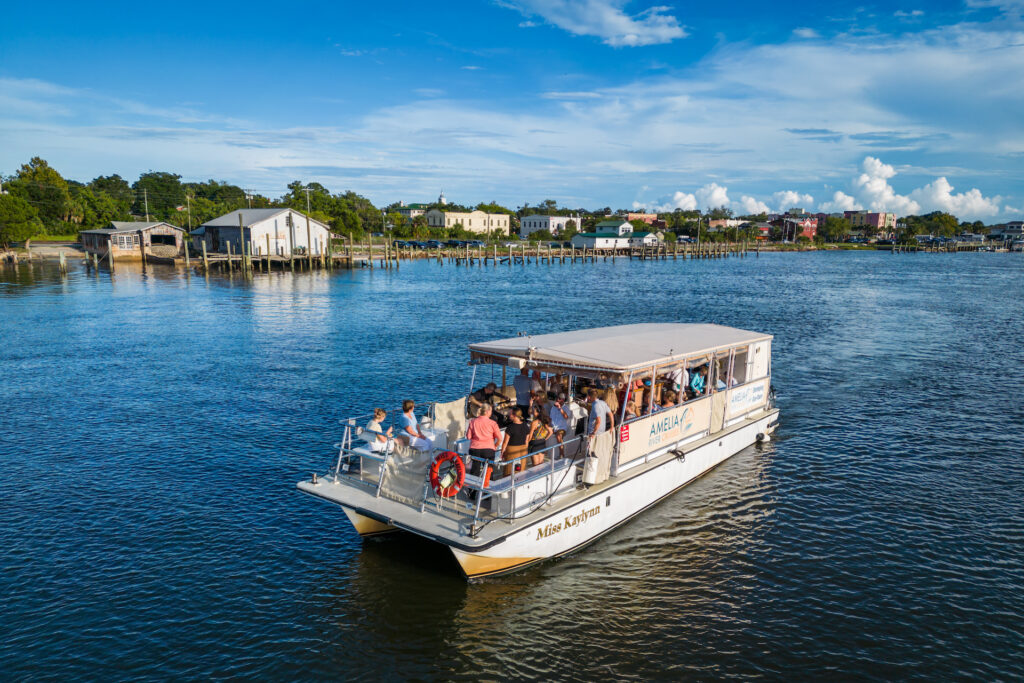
(154, 426)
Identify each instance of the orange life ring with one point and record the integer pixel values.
(448, 483)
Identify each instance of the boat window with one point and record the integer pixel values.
(739, 366)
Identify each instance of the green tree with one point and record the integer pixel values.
(43, 187)
(834, 229)
(19, 220)
(162, 192)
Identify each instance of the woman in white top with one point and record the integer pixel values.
(379, 440)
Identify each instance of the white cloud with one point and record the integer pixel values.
(939, 195)
(471, 68)
(874, 192)
(874, 188)
(1011, 210)
(841, 202)
(606, 20)
(787, 199)
(913, 14)
(712, 196)
(804, 32)
(751, 206)
(678, 200)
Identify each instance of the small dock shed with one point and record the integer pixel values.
(278, 232)
(125, 240)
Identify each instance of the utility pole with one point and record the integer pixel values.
(306, 190)
(248, 197)
(188, 209)
(145, 197)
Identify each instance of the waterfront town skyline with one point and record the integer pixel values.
(595, 103)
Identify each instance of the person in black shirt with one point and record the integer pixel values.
(514, 445)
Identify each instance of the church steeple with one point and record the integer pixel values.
(441, 200)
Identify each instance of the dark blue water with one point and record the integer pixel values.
(154, 425)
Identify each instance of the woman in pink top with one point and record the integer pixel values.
(484, 437)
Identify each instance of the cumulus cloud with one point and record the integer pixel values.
(804, 32)
(873, 186)
(605, 19)
(787, 199)
(840, 202)
(873, 191)
(712, 196)
(750, 206)
(939, 195)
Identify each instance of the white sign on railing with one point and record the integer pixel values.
(747, 397)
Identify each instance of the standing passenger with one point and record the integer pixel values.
(484, 438)
(514, 445)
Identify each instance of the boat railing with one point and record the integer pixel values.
(559, 465)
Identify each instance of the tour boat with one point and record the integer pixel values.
(586, 485)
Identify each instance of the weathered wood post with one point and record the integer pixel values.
(206, 262)
(63, 265)
(268, 251)
(309, 244)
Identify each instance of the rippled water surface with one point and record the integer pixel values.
(154, 426)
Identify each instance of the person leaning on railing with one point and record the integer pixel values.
(484, 438)
(514, 445)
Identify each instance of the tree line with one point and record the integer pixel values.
(36, 200)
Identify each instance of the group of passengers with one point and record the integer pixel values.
(541, 411)
(409, 431)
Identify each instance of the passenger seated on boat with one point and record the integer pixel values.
(697, 380)
(516, 434)
(379, 441)
(484, 438)
(668, 400)
(540, 432)
(489, 395)
(410, 433)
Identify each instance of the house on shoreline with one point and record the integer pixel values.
(278, 232)
(128, 240)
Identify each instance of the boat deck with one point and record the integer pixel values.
(451, 524)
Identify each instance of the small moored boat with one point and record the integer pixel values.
(689, 396)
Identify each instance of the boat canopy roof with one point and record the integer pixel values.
(619, 349)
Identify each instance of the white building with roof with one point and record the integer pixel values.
(474, 221)
(537, 222)
(279, 232)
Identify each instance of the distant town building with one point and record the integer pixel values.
(410, 211)
(279, 232)
(868, 219)
(644, 239)
(124, 240)
(474, 221)
(537, 222)
(1009, 231)
(601, 240)
(719, 224)
(795, 226)
(647, 218)
(614, 225)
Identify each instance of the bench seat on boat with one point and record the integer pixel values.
(530, 474)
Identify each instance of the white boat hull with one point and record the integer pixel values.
(609, 507)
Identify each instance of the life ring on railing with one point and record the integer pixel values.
(447, 474)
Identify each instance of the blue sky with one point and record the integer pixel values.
(886, 106)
